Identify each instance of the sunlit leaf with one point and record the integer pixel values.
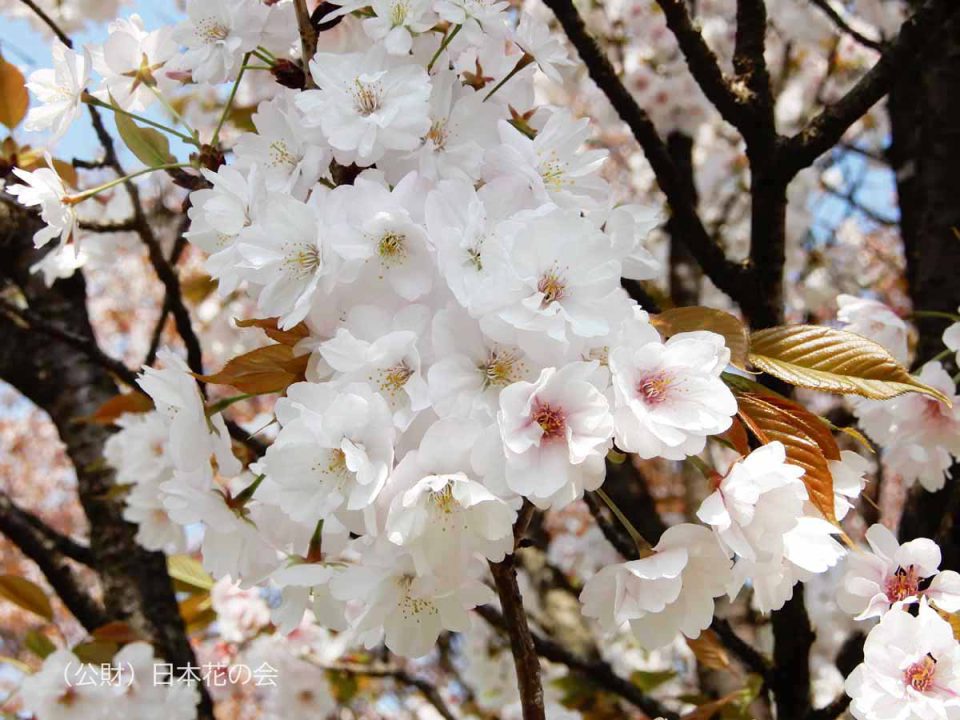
(268, 369)
(709, 651)
(14, 98)
(770, 419)
(118, 632)
(197, 612)
(26, 594)
(197, 288)
(736, 437)
(835, 361)
(189, 572)
(648, 680)
(112, 409)
(150, 146)
(687, 319)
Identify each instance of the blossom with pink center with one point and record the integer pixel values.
(910, 669)
(892, 575)
(669, 396)
(555, 433)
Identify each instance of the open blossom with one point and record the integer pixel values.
(440, 512)
(669, 396)
(561, 287)
(387, 601)
(290, 157)
(367, 103)
(536, 39)
(44, 187)
(875, 321)
(217, 216)
(555, 432)
(668, 592)
(951, 338)
(194, 438)
(910, 669)
(893, 575)
(334, 451)
(394, 22)
(216, 34)
(132, 63)
(470, 370)
(59, 90)
(552, 166)
(284, 254)
(756, 503)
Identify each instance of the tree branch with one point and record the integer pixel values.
(845, 27)
(402, 676)
(751, 67)
(308, 40)
(598, 672)
(50, 551)
(522, 646)
(825, 130)
(726, 275)
(733, 105)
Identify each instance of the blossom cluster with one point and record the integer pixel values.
(443, 251)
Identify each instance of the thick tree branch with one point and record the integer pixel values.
(825, 130)
(11, 515)
(50, 551)
(726, 275)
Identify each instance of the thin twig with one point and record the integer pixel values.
(845, 27)
(404, 677)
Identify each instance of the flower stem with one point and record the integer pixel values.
(230, 99)
(270, 60)
(91, 100)
(524, 61)
(443, 46)
(80, 197)
(935, 314)
(173, 111)
(643, 546)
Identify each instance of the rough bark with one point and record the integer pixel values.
(925, 155)
(67, 384)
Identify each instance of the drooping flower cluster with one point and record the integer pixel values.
(449, 256)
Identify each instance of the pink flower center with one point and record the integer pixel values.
(551, 420)
(552, 287)
(902, 584)
(654, 388)
(919, 676)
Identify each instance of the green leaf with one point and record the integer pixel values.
(39, 644)
(648, 680)
(26, 594)
(96, 652)
(150, 146)
(189, 572)
(835, 361)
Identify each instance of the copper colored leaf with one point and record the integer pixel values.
(26, 594)
(709, 651)
(39, 644)
(835, 361)
(268, 369)
(197, 288)
(687, 319)
(14, 98)
(112, 409)
(769, 422)
(269, 325)
(118, 632)
(736, 437)
(197, 612)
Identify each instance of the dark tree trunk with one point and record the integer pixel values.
(925, 155)
(68, 385)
